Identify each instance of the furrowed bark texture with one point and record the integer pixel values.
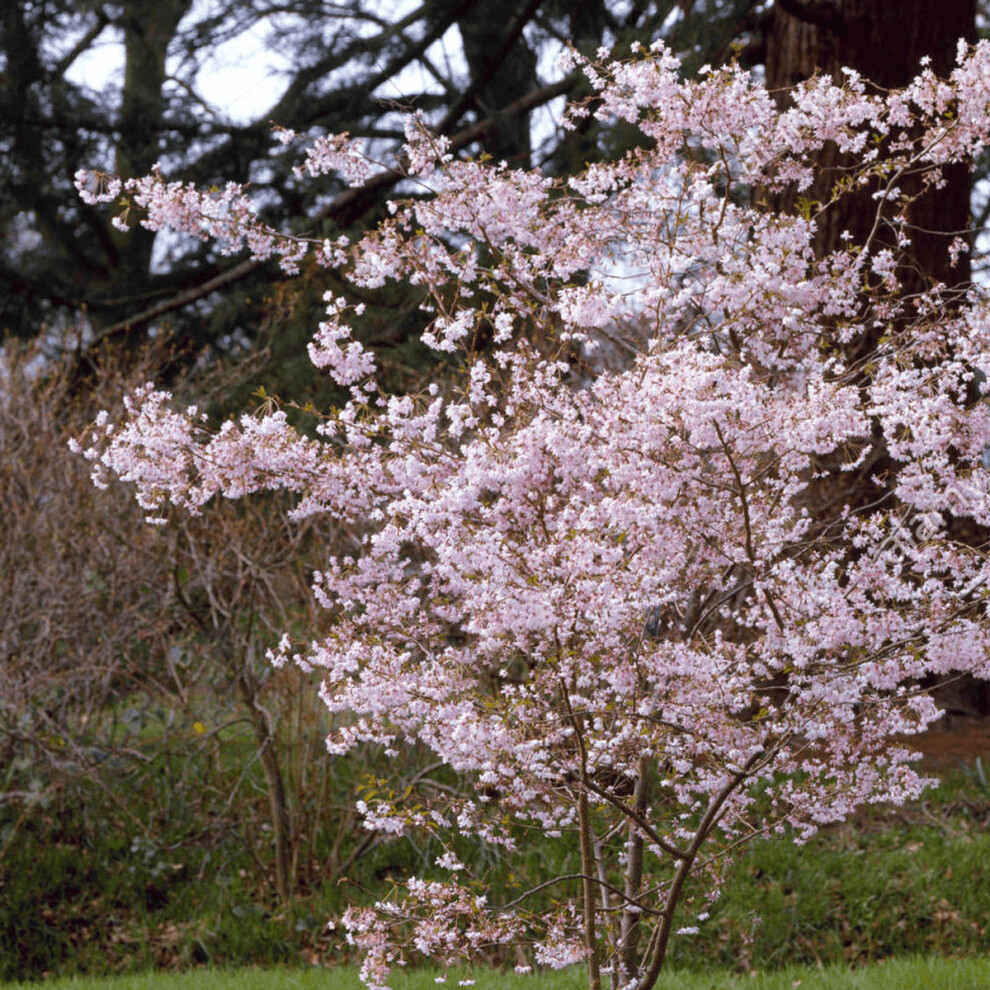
(885, 43)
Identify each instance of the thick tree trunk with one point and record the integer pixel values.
(883, 40)
(503, 70)
(149, 27)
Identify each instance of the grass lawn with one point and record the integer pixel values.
(909, 973)
(907, 883)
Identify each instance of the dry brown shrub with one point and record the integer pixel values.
(104, 619)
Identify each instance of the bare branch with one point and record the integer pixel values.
(579, 876)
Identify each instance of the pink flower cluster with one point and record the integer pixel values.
(618, 548)
(221, 215)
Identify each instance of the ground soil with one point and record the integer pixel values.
(954, 740)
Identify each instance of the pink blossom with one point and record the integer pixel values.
(598, 553)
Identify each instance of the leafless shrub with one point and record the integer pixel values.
(124, 646)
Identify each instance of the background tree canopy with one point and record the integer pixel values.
(481, 70)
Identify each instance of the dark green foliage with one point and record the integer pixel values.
(167, 871)
(344, 68)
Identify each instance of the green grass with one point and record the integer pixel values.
(889, 883)
(82, 892)
(911, 973)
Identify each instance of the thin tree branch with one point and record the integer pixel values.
(577, 876)
(63, 65)
(346, 209)
(634, 816)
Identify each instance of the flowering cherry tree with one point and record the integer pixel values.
(663, 564)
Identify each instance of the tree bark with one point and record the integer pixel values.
(885, 42)
(503, 70)
(630, 925)
(149, 27)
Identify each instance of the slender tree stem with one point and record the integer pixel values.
(589, 890)
(657, 949)
(631, 917)
(589, 887)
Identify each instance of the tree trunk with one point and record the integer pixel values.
(149, 27)
(884, 41)
(631, 917)
(503, 69)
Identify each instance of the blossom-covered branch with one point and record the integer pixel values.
(661, 565)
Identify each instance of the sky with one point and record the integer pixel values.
(243, 77)
(240, 78)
